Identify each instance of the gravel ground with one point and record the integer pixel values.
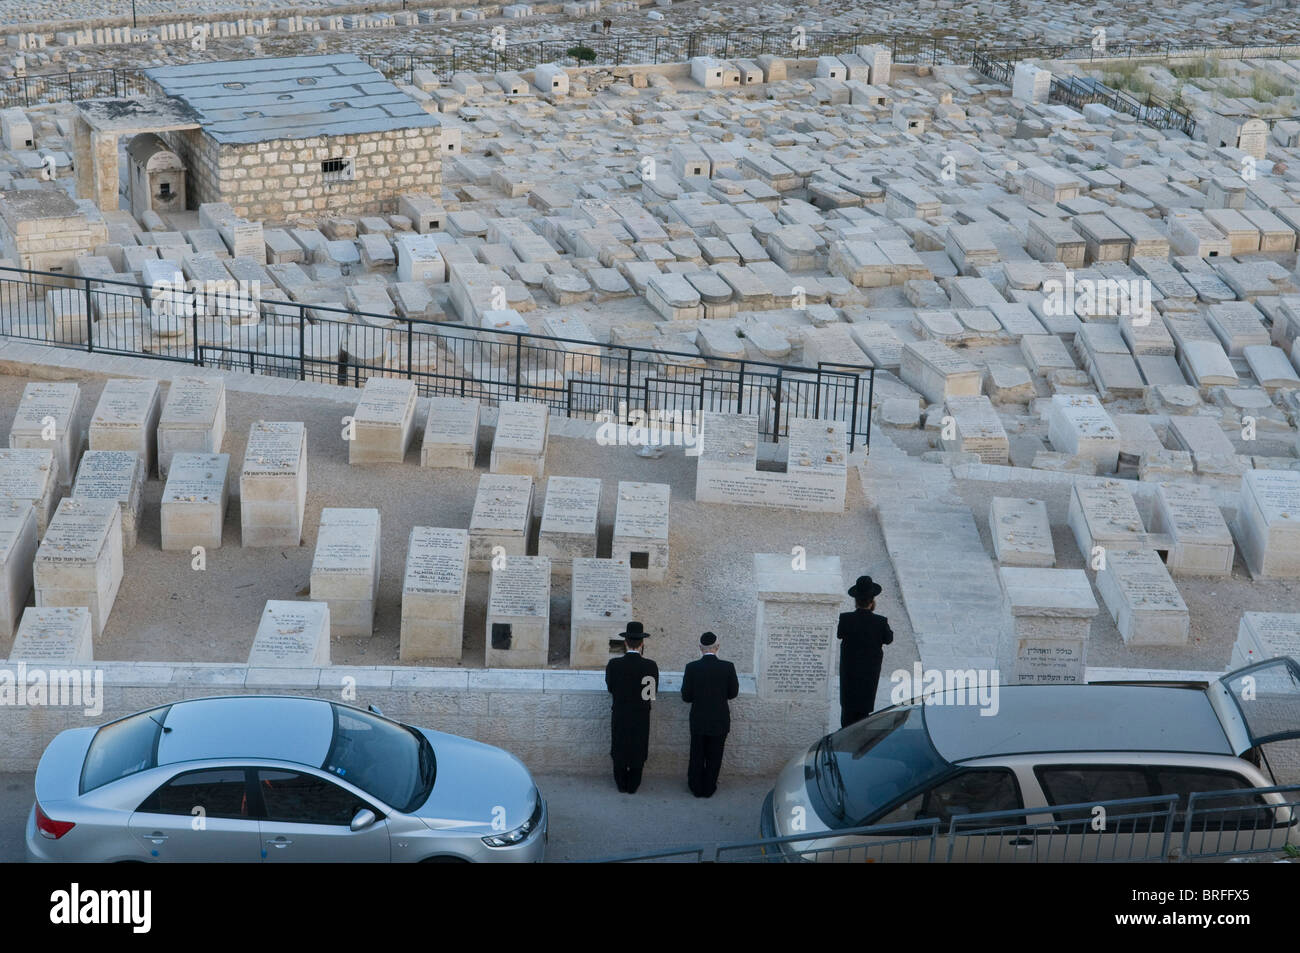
(167, 611)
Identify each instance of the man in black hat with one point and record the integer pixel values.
(707, 685)
(862, 635)
(633, 681)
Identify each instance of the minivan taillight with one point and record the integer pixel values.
(51, 828)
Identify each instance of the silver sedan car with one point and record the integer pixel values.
(270, 779)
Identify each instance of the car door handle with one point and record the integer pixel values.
(156, 837)
(280, 842)
(1021, 842)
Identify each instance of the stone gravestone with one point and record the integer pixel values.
(601, 608)
(1077, 424)
(503, 513)
(17, 549)
(1202, 543)
(194, 501)
(383, 422)
(79, 562)
(1051, 616)
(345, 569)
(798, 611)
(433, 594)
(519, 445)
(54, 636)
(519, 613)
(273, 484)
(816, 477)
(938, 372)
(193, 419)
(569, 515)
(46, 419)
(292, 635)
(1142, 598)
(29, 476)
(977, 429)
(116, 475)
(126, 418)
(1265, 635)
(641, 529)
(450, 433)
(1022, 534)
(1268, 523)
(1104, 514)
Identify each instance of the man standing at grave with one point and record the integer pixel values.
(633, 681)
(707, 685)
(862, 635)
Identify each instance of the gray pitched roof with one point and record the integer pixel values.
(290, 97)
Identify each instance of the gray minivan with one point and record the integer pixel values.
(1047, 747)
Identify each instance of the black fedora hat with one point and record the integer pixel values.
(634, 631)
(865, 589)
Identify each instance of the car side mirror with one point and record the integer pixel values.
(374, 710)
(363, 819)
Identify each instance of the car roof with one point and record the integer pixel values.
(258, 727)
(1066, 718)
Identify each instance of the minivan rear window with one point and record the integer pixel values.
(123, 748)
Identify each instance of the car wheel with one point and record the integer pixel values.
(444, 860)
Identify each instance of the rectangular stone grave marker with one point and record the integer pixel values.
(1202, 543)
(601, 608)
(126, 418)
(1022, 534)
(433, 594)
(384, 422)
(17, 549)
(798, 611)
(193, 419)
(29, 476)
(1265, 635)
(503, 512)
(937, 371)
(79, 562)
(53, 636)
(1268, 523)
(345, 569)
(450, 433)
(641, 529)
(194, 501)
(273, 484)
(1078, 424)
(1051, 612)
(519, 445)
(977, 429)
(1104, 514)
(1142, 598)
(46, 419)
(519, 613)
(569, 515)
(116, 475)
(292, 635)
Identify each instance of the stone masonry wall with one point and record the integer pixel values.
(279, 180)
(556, 721)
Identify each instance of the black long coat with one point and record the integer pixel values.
(629, 736)
(707, 685)
(862, 635)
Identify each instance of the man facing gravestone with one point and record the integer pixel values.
(862, 635)
(707, 685)
(633, 681)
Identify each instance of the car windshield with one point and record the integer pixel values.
(867, 766)
(123, 748)
(388, 761)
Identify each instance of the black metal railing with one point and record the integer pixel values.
(218, 327)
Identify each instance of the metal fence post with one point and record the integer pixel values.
(410, 349)
(198, 354)
(302, 342)
(90, 322)
(519, 356)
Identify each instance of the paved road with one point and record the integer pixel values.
(589, 818)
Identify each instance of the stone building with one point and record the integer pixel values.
(156, 178)
(299, 135)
